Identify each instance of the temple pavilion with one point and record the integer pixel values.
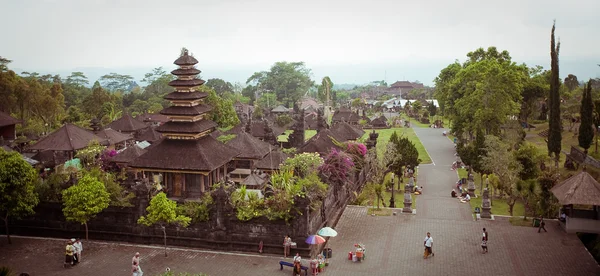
(188, 161)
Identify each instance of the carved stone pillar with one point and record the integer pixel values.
(471, 185)
(407, 201)
(486, 207)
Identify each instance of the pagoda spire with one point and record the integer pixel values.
(188, 113)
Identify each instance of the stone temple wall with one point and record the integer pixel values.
(223, 231)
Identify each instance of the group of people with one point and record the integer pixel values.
(73, 252)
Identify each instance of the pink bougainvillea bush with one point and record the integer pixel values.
(336, 167)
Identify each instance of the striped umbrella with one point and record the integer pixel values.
(315, 239)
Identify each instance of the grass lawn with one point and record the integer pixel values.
(384, 137)
(499, 206)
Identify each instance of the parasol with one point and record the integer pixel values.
(315, 239)
(327, 232)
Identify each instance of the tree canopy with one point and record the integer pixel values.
(17, 187)
(84, 200)
(288, 80)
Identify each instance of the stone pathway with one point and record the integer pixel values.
(394, 243)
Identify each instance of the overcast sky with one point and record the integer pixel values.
(351, 41)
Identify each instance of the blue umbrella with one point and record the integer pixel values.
(327, 232)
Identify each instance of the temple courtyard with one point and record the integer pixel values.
(394, 243)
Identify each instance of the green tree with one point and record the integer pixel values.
(324, 90)
(443, 91)
(571, 82)
(555, 125)
(500, 160)
(288, 80)
(157, 83)
(529, 157)
(3, 63)
(432, 109)
(586, 128)
(17, 188)
(223, 112)
(220, 86)
(163, 211)
(400, 152)
(114, 82)
(84, 200)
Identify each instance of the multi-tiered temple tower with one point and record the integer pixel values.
(188, 160)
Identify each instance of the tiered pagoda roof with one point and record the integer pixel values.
(347, 132)
(187, 145)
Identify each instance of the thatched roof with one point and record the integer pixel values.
(249, 147)
(128, 155)
(346, 132)
(205, 154)
(379, 122)
(258, 129)
(280, 109)
(51, 158)
(254, 180)
(126, 124)
(149, 135)
(67, 138)
(271, 161)
(322, 142)
(345, 115)
(7, 120)
(113, 136)
(581, 189)
(152, 118)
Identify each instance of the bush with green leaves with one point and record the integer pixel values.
(247, 204)
(197, 210)
(303, 163)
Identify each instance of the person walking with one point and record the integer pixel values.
(484, 241)
(78, 249)
(68, 255)
(135, 265)
(428, 243)
(542, 225)
(287, 244)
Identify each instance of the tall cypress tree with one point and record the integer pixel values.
(554, 135)
(586, 129)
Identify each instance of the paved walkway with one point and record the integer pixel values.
(394, 243)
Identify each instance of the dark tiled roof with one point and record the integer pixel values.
(249, 146)
(204, 154)
(192, 82)
(186, 110)
(186, 127)
(346, 132)
(6, 120)
(128, 155)
(113, 136)
(185, 59)
(271, 161)
(322, 142)
(185, 72)
(185, 96)
(67, 138)
(127, 124)
(149, 135)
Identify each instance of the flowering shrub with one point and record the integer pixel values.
(302, 164)
(104, 157)
(336, 167)
(356, 148)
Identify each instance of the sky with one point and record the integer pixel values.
(350, 41)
